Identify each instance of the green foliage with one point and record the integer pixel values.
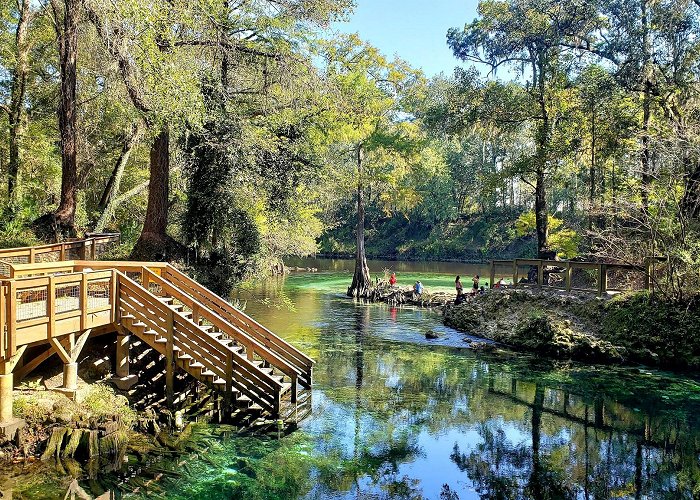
(562, 239)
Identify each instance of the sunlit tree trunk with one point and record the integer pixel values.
(361, 280)
(18, 87)
(154, 241)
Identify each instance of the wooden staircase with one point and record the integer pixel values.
(212, 341)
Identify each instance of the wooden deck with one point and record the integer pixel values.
(58, 295)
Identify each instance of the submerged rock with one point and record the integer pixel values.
(430, 334)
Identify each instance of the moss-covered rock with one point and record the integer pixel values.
(636, 328)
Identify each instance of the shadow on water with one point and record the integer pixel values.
(395, 416)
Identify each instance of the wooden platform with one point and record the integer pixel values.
(49, 298)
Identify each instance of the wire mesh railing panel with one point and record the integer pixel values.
(67, 298)
(52, 256)
(99, 293)
(31, 303)
(74, 253)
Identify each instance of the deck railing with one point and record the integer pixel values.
(560, 275)
(91, 247)
(39, 308)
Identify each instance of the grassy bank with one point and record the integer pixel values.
(634, 328)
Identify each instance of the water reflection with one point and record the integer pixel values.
(396, 416)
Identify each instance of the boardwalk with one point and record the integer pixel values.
(54, 297)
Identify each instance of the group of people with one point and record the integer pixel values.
(477, 288)
(461, 296)
(417, 287)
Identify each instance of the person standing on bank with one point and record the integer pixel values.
(475, 281)
(460, 290)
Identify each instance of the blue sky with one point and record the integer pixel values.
(415, 30)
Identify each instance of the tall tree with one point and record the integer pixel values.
(532, 34)
(61, 222)
(367, 122)
(16, 105)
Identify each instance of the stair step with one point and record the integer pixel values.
(266, 370)
(208, 373)
(184, 357)
(286, 386)
(196, 364)
(166, 300)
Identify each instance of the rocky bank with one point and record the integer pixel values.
(629, 328)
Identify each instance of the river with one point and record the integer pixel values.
(398, 416)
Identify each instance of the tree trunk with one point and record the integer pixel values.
(361, 280)
(591, 195)
(61, 223)
(646, 109)
(541, 214)
(108, 200)
(154, 242)
(67, 117)
(17, 90)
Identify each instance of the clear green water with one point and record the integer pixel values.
(397, 416)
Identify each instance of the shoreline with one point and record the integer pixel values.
(627, 329)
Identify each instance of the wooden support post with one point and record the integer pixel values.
(493, 274)
(114, 297)
(83, 301)
(7, 365)
(602, 279)
(295, 388)
(195, 313)
(170, 359)
(228, 396)
(540, 274)
(51, 306)
(63, 252)
(122, 361)
(3, 319)
(568, 277)
(647, 273)
(93, 249)
(515, 273)
(11, 319)
(83, 250)
(32, 256)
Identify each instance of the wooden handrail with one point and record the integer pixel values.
(252, 346)
(567, 266)
(31, 252)
(204, 347)
(262, 335)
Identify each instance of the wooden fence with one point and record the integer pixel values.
(559, 275)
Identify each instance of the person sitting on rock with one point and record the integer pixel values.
(418, 289)
(392, 279)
